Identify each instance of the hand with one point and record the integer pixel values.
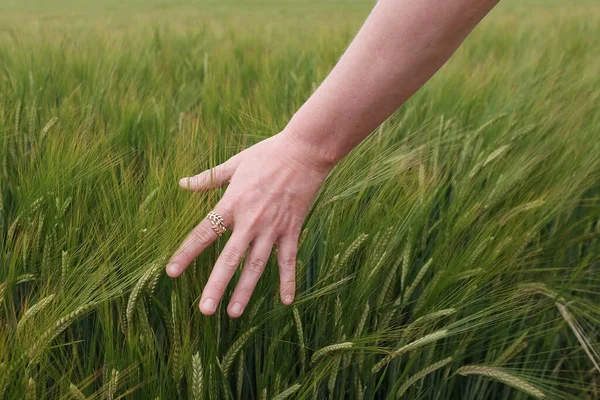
(272, 186)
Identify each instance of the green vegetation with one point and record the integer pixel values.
(454, 255)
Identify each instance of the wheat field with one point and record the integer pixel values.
(455, 254)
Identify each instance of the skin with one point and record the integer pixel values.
(272, 185)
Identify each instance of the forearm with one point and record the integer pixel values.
(400, 46)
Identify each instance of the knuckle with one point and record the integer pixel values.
(244, 294)
(289, 264)
(294, 230)
(226, 207)
(231, 258)
(257, 265)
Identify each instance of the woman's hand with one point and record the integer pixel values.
(272, 186)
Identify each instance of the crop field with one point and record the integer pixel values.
(455, 254)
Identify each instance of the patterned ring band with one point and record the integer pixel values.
(216, 221)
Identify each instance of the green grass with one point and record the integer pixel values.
(454, 254)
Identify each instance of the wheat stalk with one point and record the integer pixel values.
(213, 391)
(588, 346)
(235, 348)
(421, 374)
(501, 376)
(329, 349)
(411, 346)
(240, 376)
(286, 393)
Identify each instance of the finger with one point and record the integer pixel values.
(253, 268)
(195, 243)
(211, 178)
(225, 267)
(287, 248)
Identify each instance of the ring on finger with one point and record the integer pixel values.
(217, 223)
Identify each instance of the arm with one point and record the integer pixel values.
(400, 46)
(272, 184)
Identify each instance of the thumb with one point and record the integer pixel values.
(211, 178)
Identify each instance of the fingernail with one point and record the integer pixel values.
(287, 299)
(236, 309)
(184, 181)
(209, 305)
(173, 269)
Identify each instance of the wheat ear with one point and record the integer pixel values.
(411, 346)
(329, 349)
(434, 316)
(137, 291)
(300, 332)
(33, 311)
(31, 391)
(177, 365)
(227, 361)
(418, 278)
(59, 327)
(512, 350)
(197, 377)
(501, 376)
(421, 374)
(286, 393)
(334, 374)
(113, 385)
(75, 393)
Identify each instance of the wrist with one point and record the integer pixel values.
(311, 143)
